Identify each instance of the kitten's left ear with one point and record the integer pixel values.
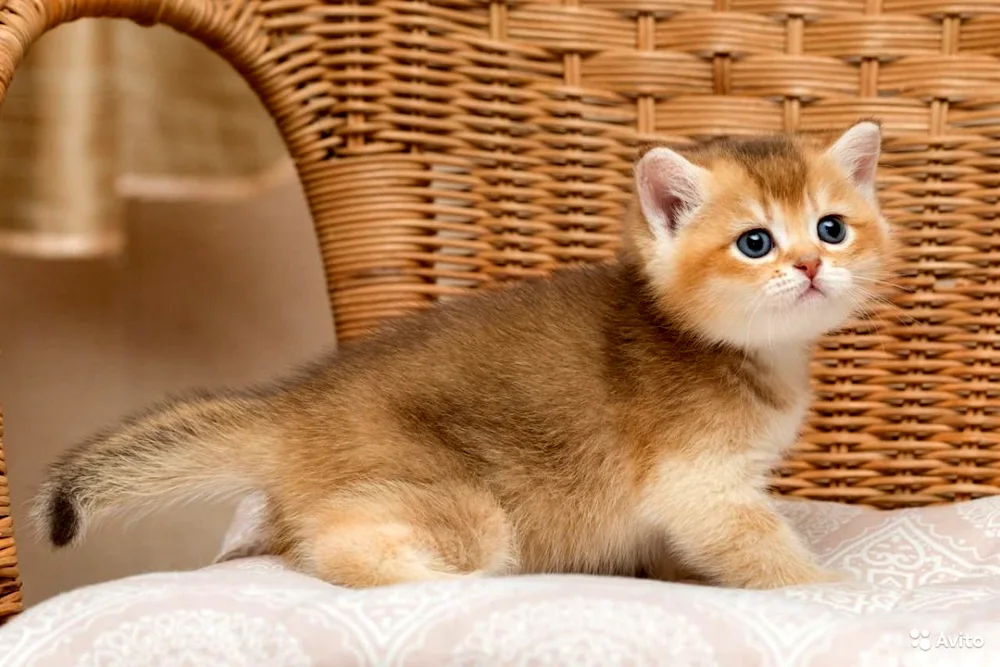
(857, 151)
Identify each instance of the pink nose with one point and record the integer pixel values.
(809, 266)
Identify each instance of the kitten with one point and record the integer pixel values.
(609, 419)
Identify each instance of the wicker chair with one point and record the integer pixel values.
(446, 145)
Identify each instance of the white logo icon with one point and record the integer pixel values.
(921, 639)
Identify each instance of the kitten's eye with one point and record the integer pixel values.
(755, 244)
(831, 229)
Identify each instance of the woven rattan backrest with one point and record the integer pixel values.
(450, 144)
(10, 583)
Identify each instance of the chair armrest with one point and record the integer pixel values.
(236, 30)
(227, 30)
(10, 582)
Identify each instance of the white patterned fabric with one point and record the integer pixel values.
(924, 591)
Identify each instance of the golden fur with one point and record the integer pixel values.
(618, 418)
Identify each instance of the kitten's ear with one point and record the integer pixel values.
(857, 151)
(669, 188)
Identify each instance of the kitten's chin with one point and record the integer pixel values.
(802, 322)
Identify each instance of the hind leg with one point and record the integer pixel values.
(390, 533)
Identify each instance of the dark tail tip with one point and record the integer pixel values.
(64, 519)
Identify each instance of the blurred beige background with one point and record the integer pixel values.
(205, 294)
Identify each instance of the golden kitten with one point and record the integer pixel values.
(609, 419)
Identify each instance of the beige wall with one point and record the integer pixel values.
(208, 294)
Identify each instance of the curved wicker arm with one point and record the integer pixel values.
(278, 58)
(292, 91)
(278, 64)
(224, 30)
(10, 584)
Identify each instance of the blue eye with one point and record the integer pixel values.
(755, 244)
(831, 229)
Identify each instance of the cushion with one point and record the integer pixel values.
(924, 590)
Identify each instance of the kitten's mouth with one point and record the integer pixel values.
(811, 293)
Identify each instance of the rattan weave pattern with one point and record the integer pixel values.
(451, 144)
(10, 585)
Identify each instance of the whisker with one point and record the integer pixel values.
(886, 283)
(873, 296)
(867, 315)
(770, 334)
(870, 297)
(756, 303)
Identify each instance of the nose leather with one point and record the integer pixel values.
(809, 266)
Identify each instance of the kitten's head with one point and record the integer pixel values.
(764, 241)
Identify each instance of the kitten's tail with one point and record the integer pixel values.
(205, 446)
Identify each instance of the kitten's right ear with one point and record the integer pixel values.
(669, 188)
(857, 152)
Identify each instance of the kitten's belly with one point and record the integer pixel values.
(627, 549)
(609, 552)
(584, 534)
